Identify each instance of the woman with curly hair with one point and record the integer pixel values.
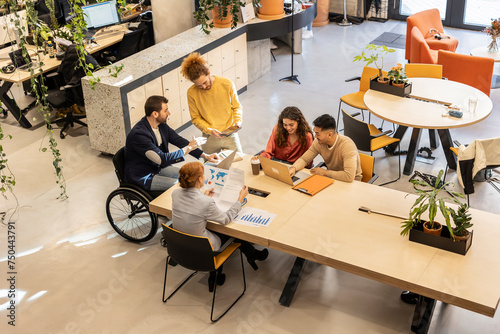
(291, 137)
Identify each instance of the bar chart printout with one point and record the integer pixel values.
(254, 217)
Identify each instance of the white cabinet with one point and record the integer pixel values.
(136, 99)
(171, 85)
(153, 87)
(214, 59)
(175, 119)
(185, 115)
(241, 75)
(227, 51)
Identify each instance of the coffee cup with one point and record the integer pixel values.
(255, 167)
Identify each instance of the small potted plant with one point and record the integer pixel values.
(375, 54)
(224, 12)
(397, 76)
(430, 200)
(461, 219)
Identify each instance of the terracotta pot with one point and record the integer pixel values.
(400, 85)
(222, 22)
(383, 80)
(323, 8)
(271, 9)
(435, 231)
(461, 238)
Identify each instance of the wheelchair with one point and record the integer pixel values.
(127, 207)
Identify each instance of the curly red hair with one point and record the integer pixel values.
(194, 66)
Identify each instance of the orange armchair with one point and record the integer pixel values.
(470, 70)
(420, 51)
(424, 21)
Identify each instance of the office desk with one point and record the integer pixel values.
(408, 112)
(329, 229)
(49, 64)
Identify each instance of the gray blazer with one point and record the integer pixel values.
(191, 209)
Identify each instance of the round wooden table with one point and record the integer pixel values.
(483, 52)
(417, 112)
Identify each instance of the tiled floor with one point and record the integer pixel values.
(76, 276)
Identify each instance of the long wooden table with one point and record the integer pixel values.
(329, 229)
(49, 64)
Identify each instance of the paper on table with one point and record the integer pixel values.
(254, 217)
(226, 184)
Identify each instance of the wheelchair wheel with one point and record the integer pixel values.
(128, 212)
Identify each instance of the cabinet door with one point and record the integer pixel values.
(184, 83)
(171, 85)
(240, 49)
(136, 100)
(227, 55)
(175, 118)
(241, 73)
(214, 59)
(154, 87)
(185, 115)
(230, 74)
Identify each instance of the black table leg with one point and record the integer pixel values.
(433, 138)
(400, 132)
(412, 151)
(12, 105)
(446, 142)
(292, 282)
(422, 315)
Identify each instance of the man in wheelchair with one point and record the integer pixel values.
(147, 158)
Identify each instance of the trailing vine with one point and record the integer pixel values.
(74, 32)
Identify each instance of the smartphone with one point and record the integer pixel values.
(455, 113)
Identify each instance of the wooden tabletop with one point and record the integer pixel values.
(420, 114)
(329, 229)
(49, 64)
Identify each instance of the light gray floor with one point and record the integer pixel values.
(76, 276)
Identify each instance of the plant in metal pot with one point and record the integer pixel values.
(430, 199)
(374, 54)
(461, 219)
(224, 9)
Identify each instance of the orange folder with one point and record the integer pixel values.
(313, 184)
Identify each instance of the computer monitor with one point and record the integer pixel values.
(101, 14)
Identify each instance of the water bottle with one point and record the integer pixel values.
(50, 46)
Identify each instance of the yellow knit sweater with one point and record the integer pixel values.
(217, 108)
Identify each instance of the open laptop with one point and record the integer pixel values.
(280, 172)
(226, 163)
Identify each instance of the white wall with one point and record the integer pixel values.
(171, 17)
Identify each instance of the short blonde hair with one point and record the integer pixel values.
(194, 66)
(190, 173)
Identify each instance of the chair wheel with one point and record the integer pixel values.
(61, 135)
(128, 213)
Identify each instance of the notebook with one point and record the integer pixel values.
(280, 172)
(313, 184)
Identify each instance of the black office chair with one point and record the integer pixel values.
(196, 253)
(129, 45)
(69, 95)
(367, 137)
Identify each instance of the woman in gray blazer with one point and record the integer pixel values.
(192, 208)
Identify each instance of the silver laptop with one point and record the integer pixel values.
(280, 172)
(224, 164)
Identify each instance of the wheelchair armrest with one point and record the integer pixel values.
(352, 79)
(387, 132)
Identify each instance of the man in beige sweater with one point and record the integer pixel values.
(339, 152)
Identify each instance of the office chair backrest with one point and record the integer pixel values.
(190, 251)
(470, 70)
(358, 131)
(130, 44)
(119, 163)
(424, 71)
(367, 163)
(368, 73)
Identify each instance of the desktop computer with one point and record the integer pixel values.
(100, 15)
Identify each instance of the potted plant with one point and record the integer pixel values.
(224, 12)
(375, 55)
(397, 76)
(430, 200)
(461, 219)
